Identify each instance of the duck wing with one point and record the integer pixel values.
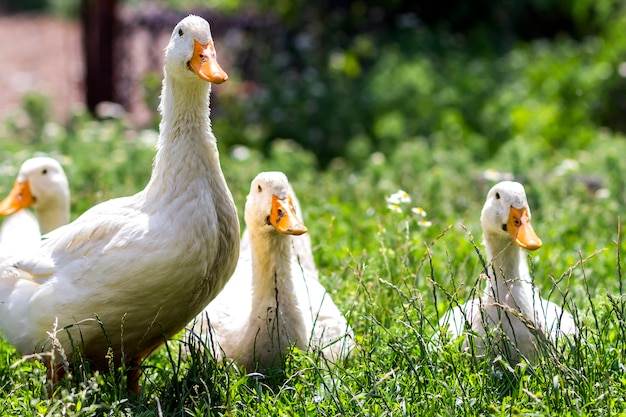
(19, 235)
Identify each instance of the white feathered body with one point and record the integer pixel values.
(132, 271)
(509, 313)
(273, 301)
(509, 309)
(19, 234)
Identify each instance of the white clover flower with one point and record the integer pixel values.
(398, 197)
(603, 193)
(567, 165)
(148, 137)
(418, 211)
(377, 158)
(395, 208)
(496, 176)
(240, 152)
(8, 169)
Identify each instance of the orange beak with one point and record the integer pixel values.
(204, 63)
(521, 231)
(283, 217)
(19, 198)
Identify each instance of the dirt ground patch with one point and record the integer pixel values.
(42, 54)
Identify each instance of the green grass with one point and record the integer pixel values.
(392, 278)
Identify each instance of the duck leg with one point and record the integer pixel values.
(54, 373)
(133, 373)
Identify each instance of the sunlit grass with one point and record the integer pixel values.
(391, 276)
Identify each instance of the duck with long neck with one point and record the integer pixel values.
(276, 321)
(187, 148)
(274, 299)
(139, 267)
(507, 231)
(185, 130)
(187, 143)
(510, 305)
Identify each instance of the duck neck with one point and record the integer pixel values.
(187, 147)
(56, 213)
(272, 285)
(509, 280)
(187, 192)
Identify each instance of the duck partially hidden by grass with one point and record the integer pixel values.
(509, 314)
(42, 185)
(273, 300)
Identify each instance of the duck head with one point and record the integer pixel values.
(191, 52)
(506, 214)
(270, 207)
(40, 182)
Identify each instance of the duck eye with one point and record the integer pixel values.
(180, 32)
(259, 188)
(497, 196)
(45, 171)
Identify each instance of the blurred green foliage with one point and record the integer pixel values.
(392, 276)
(349, 79)
(345, 79)
(388, 98)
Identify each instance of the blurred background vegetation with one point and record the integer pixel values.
(353, 100)
(348, 78)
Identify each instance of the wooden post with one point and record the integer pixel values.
(98, 27)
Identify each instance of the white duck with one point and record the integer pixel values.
(41, 184)
(273, 301)
(139, 267)
(510, 308)
(301, 244)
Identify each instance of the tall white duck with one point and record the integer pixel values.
(510, 313)
(41, 184)
(131, 272)
(273, 301)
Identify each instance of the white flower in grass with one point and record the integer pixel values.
(418, 211)
(496, 176)
(395, 208)
(603, 193)
(240, 152)
(399, 197)
(567, 165)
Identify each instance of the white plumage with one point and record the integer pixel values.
(509, 313)
(141, 266)
(42, 185)
(274, 299)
